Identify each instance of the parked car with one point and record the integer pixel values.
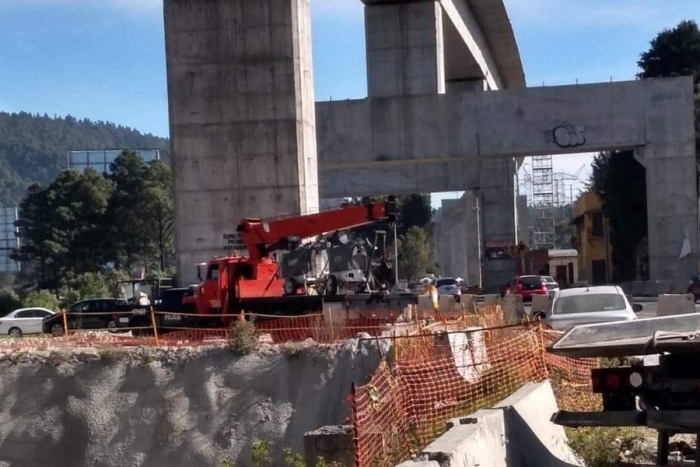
(527, 286)
(24, 321)
(448, 286)
(589, 305)
(551, 284)
(94, 313)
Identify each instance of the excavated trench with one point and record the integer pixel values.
(170, 408)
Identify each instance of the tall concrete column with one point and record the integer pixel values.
(242, 117)
(497, 206)
(672, 196)
(405, 48)
(471, 238)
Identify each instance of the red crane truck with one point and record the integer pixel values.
(253, 283)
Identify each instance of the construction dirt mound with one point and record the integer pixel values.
(160, 407)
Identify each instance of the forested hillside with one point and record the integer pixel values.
(33, 148)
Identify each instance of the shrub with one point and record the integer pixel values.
(243, 340)
(41, 299)
(600, 447)
(9, 301)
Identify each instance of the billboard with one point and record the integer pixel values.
(101, 159)
(9, 241)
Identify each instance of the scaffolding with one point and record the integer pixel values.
(543, 220)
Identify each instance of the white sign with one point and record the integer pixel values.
(232, 242)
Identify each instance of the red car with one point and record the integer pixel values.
(527, 286)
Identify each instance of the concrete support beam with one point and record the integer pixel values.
(242, 117)
(424, 143)
(467, 53)
(405, 49)
(498, 224)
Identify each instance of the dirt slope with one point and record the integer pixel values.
(165, 409)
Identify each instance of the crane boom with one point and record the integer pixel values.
(265, 236)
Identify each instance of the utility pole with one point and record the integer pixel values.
(396, 257)
(477, 209)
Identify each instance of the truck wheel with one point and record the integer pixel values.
(332, 285)
(290, 286)
(15, 332)
(538, 316)
(57, 330)
(112, 326)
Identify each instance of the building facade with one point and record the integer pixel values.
(592, 240)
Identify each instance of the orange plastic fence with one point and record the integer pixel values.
(434, 378)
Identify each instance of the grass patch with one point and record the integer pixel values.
(601, 447)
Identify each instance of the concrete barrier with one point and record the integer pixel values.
(447, 303)
(513, 308)
(467, 350)
(468, 302)
(675, 305)
(533, 440)
(330, 443)
(493, 299)
(539, 303)
(515, 433)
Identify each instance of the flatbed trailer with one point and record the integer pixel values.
(169, 315)
(664, 395)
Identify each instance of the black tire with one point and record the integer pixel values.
(332, 285)
(57, 330)
(112, 326)
(15, 332)
(538, 316)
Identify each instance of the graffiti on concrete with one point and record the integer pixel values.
(569, 136)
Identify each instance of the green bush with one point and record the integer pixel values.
(41, 298)
(600, 447)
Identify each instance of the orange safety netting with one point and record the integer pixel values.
(434, 378)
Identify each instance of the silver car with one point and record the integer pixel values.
(588, 305)
(448, 286)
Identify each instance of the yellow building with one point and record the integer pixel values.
(592, 240)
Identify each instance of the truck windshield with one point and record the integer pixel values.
(589, 303)
(443, 282)
(213, 272)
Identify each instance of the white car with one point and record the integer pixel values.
(23, 321)
(588, 305)
(448, 286)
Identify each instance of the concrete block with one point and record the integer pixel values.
(468, 302)
(479, 442)
(533, 440)
(513, 308)
(446, 303)
(539, 303)
(467, 350)
(425, 303)
(419, 464)
(675, 305)
(491, 300)
(331, 443)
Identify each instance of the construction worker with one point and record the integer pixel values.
(430, 289)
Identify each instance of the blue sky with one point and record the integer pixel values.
(104, 59)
